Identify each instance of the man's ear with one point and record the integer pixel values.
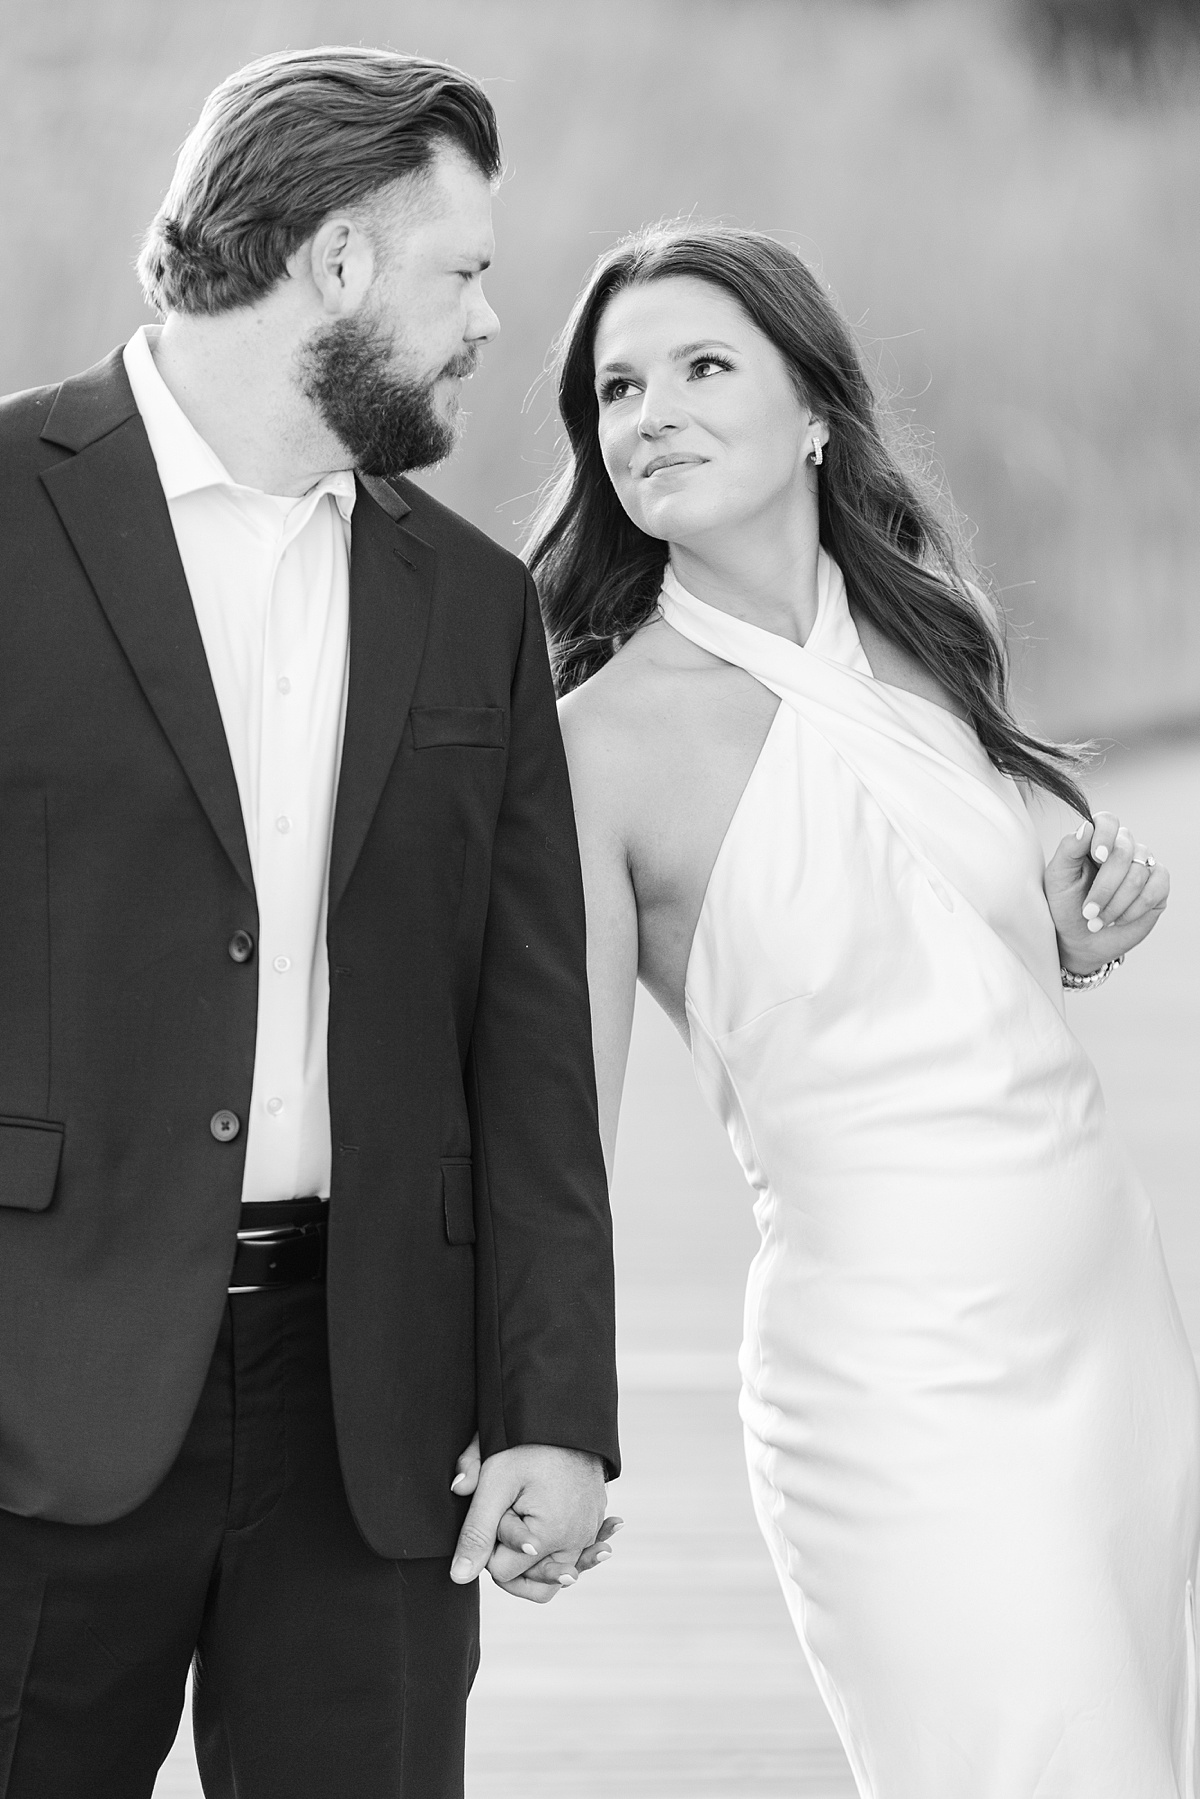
(339, 260)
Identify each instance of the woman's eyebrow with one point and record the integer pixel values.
(701, 343)
(677, 355)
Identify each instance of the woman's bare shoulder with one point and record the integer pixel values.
(628, 701)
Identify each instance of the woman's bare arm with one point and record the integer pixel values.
(612, 923)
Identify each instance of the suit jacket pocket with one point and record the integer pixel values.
(29, 1152)
(469, 727)
(458, 1201)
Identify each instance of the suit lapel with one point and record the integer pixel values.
(113, 509)
(391, 589)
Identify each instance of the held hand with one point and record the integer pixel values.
(1105, 892)
(534, 1520)
(549, 1570)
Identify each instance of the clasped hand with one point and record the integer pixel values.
(1105, 892)
(536, 1520)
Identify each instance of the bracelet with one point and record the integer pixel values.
(1081, 983)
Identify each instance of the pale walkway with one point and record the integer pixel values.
(673, 1673)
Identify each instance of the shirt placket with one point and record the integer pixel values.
(285, 852)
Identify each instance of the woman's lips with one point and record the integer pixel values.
(656, 463)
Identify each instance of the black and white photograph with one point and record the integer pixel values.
(600, 899)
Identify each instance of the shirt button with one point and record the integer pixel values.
(274, 1107)
(283, 824)
(224, 1126)
(281, 964)
(283, 684)
(240, 946)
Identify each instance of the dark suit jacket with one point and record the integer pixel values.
(470, 1272)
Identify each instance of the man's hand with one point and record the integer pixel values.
(1105, 893)
(536, 1519)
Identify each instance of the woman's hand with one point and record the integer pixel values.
(1105, 892)
(550, 1572)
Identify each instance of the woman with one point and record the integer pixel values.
(971, 1412)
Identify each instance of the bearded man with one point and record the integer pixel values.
(300, 1182)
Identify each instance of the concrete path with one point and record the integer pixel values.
(673, 1671)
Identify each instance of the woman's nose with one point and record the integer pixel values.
(656, 418)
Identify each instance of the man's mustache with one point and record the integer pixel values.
(464, 364)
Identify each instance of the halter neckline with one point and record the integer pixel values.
(833, 636)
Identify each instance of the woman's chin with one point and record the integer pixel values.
(672, 517)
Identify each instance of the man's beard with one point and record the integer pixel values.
(387, 423)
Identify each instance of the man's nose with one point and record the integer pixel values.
(483, 325)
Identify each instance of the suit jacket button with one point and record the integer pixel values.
(241, 946)
(224, 1126)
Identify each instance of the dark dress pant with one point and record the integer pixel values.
(322, 1671)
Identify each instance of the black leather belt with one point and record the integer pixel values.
(280, 1243)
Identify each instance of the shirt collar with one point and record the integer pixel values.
(186, 464)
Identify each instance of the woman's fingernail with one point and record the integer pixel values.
(457, 1481)
(529, 1549)
(602, 1555)
(1100, 853)
(567, 1580)
(1091, 910)
(1082, 832)
(1095, 924)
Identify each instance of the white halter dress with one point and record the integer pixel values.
(971, 1413)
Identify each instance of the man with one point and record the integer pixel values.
(292, 947)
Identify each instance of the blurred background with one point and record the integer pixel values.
(1003, 196)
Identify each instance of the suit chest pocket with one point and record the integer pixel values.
(30, 1149)
(459, 727)
(458, 1202)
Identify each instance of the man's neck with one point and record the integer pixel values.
(231, 375)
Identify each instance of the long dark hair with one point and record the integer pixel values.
(599, 576)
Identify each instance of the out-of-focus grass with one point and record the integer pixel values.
(1017, 247)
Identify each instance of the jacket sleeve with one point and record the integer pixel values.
(544, 1270)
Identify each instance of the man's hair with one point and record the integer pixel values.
(281, 144)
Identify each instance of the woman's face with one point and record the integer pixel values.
(701, 427)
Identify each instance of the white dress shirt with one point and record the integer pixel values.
(270, 582)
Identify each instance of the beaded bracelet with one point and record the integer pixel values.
(1081, 983)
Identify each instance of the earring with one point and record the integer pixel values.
(818, 455)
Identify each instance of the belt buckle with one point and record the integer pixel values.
(265, 1238)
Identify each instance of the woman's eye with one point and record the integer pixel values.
(705, 365)
(614, 390)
